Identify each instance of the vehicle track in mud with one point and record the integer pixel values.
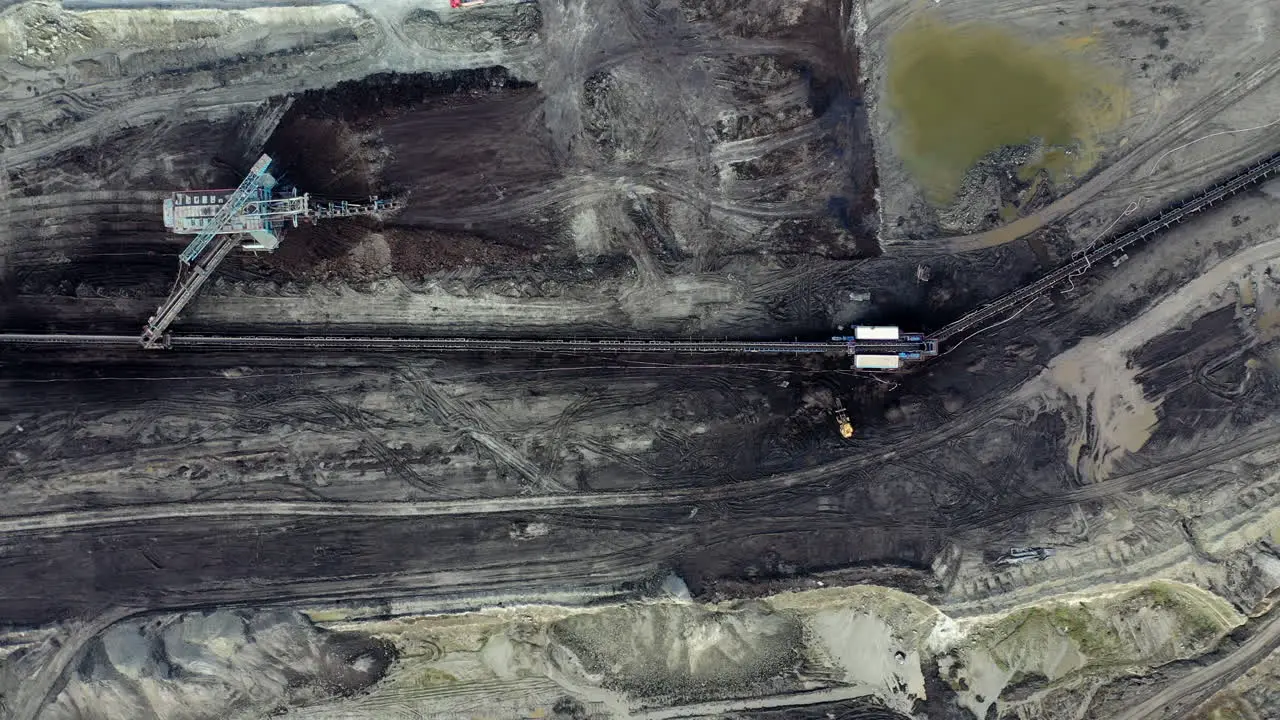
(43, 685)
(167, 565)
(797, 485)
(317, 423)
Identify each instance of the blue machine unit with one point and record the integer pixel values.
(909, 355)
(913, 337)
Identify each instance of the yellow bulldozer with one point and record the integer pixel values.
(842, 422)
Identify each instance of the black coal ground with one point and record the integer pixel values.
(729, 421)
(895, 513)
(715, 541)
(885, 513)
(187, 563)
(872, 510)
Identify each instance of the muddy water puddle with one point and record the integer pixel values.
(961, 92)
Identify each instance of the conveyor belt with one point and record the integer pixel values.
(69, 340)
(181, 342)
(1027, 293)
(611, 346)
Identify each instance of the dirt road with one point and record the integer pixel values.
(1184, 695)
(39, 689)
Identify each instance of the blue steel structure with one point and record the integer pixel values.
(249, 188)
(248, 217)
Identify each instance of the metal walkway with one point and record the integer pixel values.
(191, 277)
(234, 204)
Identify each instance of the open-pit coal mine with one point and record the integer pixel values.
(639, 359)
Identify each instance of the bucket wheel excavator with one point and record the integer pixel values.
(250, 217)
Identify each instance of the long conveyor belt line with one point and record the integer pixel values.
(318, 342)
(1172, 216)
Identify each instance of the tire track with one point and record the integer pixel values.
(39, 690)
(6, 220)
(479, 425)
(744, 491)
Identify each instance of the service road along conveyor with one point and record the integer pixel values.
(286, 342)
